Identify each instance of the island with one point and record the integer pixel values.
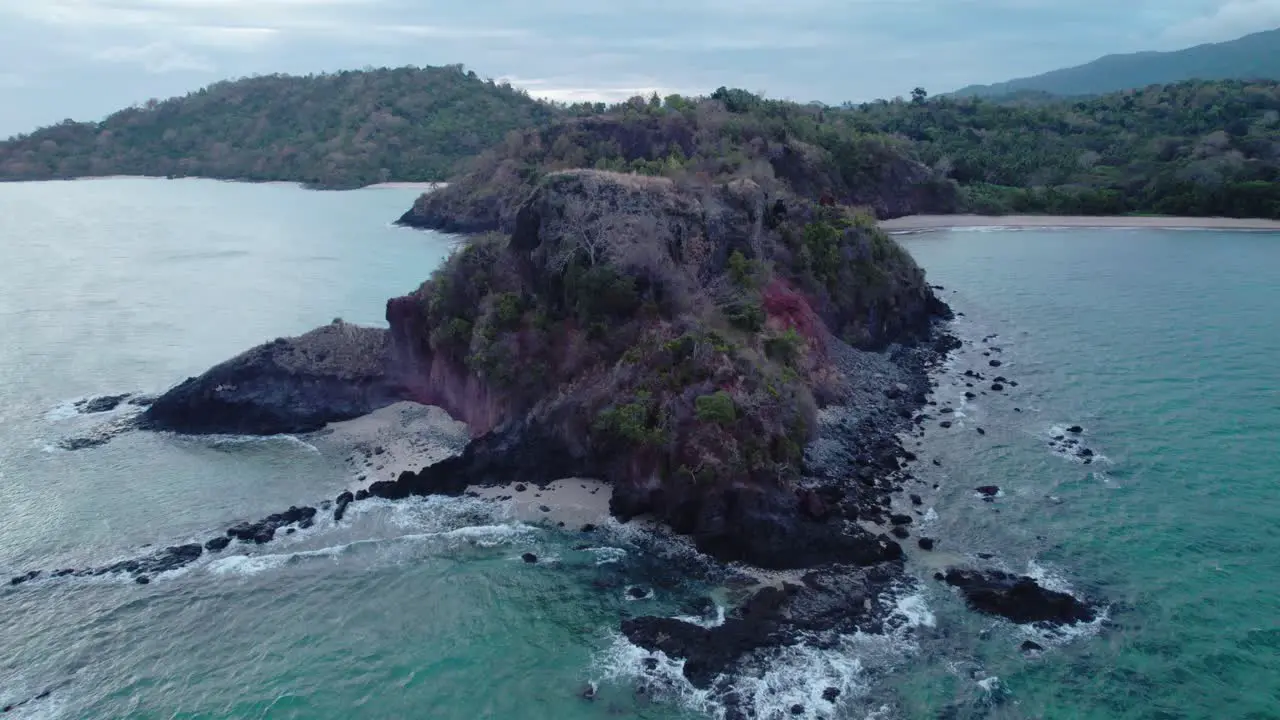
(736, 353)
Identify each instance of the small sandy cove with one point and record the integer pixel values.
(919, 223)
(409, 436)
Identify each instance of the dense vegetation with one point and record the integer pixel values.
(1252, 57)
(1194, 148)
(675, 333)
(810, 149)
(334, 130)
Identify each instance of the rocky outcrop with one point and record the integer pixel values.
(1017, 597)
(670, 338)
(142, 569)
(630, 400)
(832, 601)
(336, 372)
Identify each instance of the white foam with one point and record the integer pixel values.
(1071, 452)
(915, 609)
(772, 682)
(63, 411)
(232, 440)
(1047, 578)
(712, 622)
(606, 555)
(990, 684)
(624, 663)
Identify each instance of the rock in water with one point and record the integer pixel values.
(529, 558)
(217, 544)
(101, 404)
(335, 372)
(340, 505)
(264, 530)
(1017, 597)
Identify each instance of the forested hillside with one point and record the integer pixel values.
(1194, 148)
(334, 130)
(732, 134)
(1252, 57)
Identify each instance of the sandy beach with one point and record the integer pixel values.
(409, 436)
(921, 223)
(405, 186)
(399, 437)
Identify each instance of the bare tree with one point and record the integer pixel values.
(606, 220)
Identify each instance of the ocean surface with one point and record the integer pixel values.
(1160, 344)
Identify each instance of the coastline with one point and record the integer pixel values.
(394, 185)
(926, 223)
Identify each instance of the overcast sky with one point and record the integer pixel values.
(85, 58)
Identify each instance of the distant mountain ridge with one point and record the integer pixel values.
(1252, 57)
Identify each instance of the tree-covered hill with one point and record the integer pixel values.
(732, 134)
(1193, 148)
(346, 129)
(1251, 57)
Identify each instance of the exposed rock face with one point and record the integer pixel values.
(335, 372)
(432, 378)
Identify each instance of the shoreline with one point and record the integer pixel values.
(392, 185)
(928, 223)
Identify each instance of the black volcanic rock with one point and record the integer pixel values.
(335, 372)
(264, 530)
(1017, 598)
(831, 599)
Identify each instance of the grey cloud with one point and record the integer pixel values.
(84, 58)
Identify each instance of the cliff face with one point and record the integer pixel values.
(670, 338)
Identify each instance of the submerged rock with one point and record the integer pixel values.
(101, 404)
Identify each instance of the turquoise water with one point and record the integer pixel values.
(415, 609)
(1160, 344)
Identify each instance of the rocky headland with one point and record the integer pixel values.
(737, 356)
(290, 385)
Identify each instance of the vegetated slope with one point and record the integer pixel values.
(339, 130)
(807, 149)
(672, 336)
(1193, 148)
(1252, 57)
